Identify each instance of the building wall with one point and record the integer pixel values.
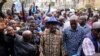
(94, 3)
(97, 3)
(58, 3)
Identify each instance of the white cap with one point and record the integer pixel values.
(96, 25)
(83, 17)
(53, 10)
(72, 10)
(74, 17)
(61, 17)
(62, 12)
(71, 14)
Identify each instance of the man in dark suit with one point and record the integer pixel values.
(2, 40)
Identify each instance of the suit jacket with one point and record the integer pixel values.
(2, 45)
(22, 48)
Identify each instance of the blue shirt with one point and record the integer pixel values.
(72, 40)
(37, 21)
(86, 28)
(33, 9)
(39, 30)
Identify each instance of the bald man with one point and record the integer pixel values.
(24, 47)
(27, 36)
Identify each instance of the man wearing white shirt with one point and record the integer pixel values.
(18, 6)
(90, 43)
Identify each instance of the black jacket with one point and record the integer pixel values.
(2, 45)
(22, 48)
(10, 44)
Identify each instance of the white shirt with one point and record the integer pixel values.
(18, 6)
(66, 24)
(88, 47)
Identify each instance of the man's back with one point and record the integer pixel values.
(23, 48)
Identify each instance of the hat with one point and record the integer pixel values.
(73, 17)
(62, 12)
(52, 20)
(96, 25)
(60, 18)
(83, 17)
(71, 13)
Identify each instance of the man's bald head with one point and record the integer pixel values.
(27, 32)
(27, 35)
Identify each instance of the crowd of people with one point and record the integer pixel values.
(49, 33)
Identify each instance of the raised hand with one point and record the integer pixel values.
(2, 24)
